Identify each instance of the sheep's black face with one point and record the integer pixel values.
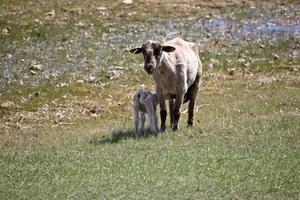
(152, 52)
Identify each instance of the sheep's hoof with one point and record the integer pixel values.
(175, 127)
(190, 125)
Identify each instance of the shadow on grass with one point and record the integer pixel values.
(120, 135)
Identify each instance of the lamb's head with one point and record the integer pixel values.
(152, 51)
(141, 94)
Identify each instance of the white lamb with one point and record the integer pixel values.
(144, 102)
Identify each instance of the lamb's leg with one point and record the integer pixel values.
(193, 92)
(150, 111)
(151, 117)
(136, 120)
(143, 119)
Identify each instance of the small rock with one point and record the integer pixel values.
(59, 85)
(90, 79)
(241, 60)
(37, 93)
(33, 72)
(127, 1)
(262, 46)
(9, 56)
(38, 21)
(6, 30)
(275, 56)
(51, 13)
(111, 68)
(101, 8)
(252, 174)
(231, 71)
(36, 67)
(23, 99)
(94, 115)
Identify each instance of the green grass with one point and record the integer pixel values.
(242, 146)
(71, 137)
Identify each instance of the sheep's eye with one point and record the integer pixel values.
(157, 53)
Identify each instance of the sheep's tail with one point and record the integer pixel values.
(188, 94)
(195, 48)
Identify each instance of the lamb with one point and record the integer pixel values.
(144, 102)
(176, 69)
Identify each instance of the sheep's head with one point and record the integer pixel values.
(152, 51)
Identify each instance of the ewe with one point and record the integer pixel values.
(176, 69)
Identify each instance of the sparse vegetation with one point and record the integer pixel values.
(66, 126)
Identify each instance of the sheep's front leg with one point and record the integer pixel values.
(176, 111)
(163, 114)
(156, 121)
(171, 110)
(181, 90)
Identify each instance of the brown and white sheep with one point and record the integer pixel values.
(176, 69)
(144, 103)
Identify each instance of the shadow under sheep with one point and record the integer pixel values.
(120, 135)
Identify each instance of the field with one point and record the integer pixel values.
(67, 80)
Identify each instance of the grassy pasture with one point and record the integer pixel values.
(66, 129)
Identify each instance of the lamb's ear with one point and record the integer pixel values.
(168, 48)
(136, 50)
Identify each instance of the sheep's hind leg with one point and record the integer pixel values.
(193, 94)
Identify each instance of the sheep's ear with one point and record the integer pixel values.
(168, 48)
(136, 50)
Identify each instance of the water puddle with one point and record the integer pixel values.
(197, 30)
